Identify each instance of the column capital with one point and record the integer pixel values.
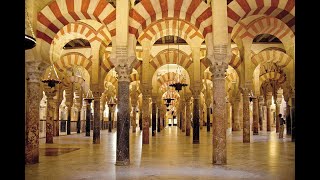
(123, 71)
(34, 70)
(245, 91)
(49, 92)
(218, 69)
(154, 99)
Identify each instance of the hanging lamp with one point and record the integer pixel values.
(52, 78)
(178, 85)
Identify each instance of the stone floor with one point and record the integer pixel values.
(170, 155)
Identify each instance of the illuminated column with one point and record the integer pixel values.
(246, 115)
(278, 104)
(33, 97)
(146, 94)
(88, 117)
(188, 115)
(57, 103)
(50, 93)
(268, 104)
(235, 114)
(69, 102)
(154, 115)
(96, 116)
(255, 116)
(261, 115)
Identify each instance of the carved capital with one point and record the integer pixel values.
(245, 91)
(50, 92)
(123, 71)
(261, 100)
(218, 69)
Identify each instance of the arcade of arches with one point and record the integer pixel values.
(116, 60)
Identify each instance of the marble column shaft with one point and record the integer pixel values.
(110, 118)
(183, 116)
(154, 117)
(96, 118)
(277, 117)
(140, 120)
(268, 118)
(162, 112)
(158, 119)
(88, 118)
(288, 119)
(56, 117)
(145, 118)
(260, 104)
(246, 116)
(208, 118)
(219, 145)
(188, 117)
(255, 116)
(196, 119)
(123, 123)
(50, 93)
(134, 123)
(235, 115)
(33, 98)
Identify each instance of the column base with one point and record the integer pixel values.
(255, 133)
(122, 163)
(195, 142)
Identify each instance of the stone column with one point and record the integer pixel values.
(123, 117)
(154, 115)
(228, 115)
(201, 114)
(255, 116)
(69, 102)
(102, 107)
(235, 114)
(261, 102)
(96, 116)
(188, 114)
(278, 104)
(293, 117)
(146, 93)
(50, 93)
(196, 116)
(88, 117)
(134, 124)
(218, 69)
(246, 115)
(182, 114)
(111, 116)
(288, 118)
(57, 102)
(33, 97)
(268, 104)
(140, 119)
(159, 114)
(162, 116)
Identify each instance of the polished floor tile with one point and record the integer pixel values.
(170, 155)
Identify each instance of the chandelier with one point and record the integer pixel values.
(178, 84)
(52, 78)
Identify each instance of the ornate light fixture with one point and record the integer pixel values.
(111, 103)
(178, 85)
(52, 78)
(89, 96)
(29, 41)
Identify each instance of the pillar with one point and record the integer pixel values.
(268, 104)
(88, 117)
(229, 124)
(278, 104)
(33, 97)
(96, 116)
(154, 115)
(219, 154)
(57, 102)
(288, 118)
(246, 115)
(140, 119)
(182, 114)
(69, 102)
(255, 116)
(188, 115)
(235, 114)
(260, 103)
(146, 93)
(123, 116)
(293, 117)
(134, 124)
(50, 93)
(111, 116)
(162, 116)
(196, 115)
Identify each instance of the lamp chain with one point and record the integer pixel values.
(29, 22)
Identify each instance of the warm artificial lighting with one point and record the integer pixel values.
(89, 96)
(52, 78)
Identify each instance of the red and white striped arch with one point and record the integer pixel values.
(70, 59)
(235, 60)
(280, 9)
(165, 27)
(163, 57)
(280, 78)
(280, 58)
(134, 77)
(106, 64)
(101, 34)
(144, 13)
(59, 13)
